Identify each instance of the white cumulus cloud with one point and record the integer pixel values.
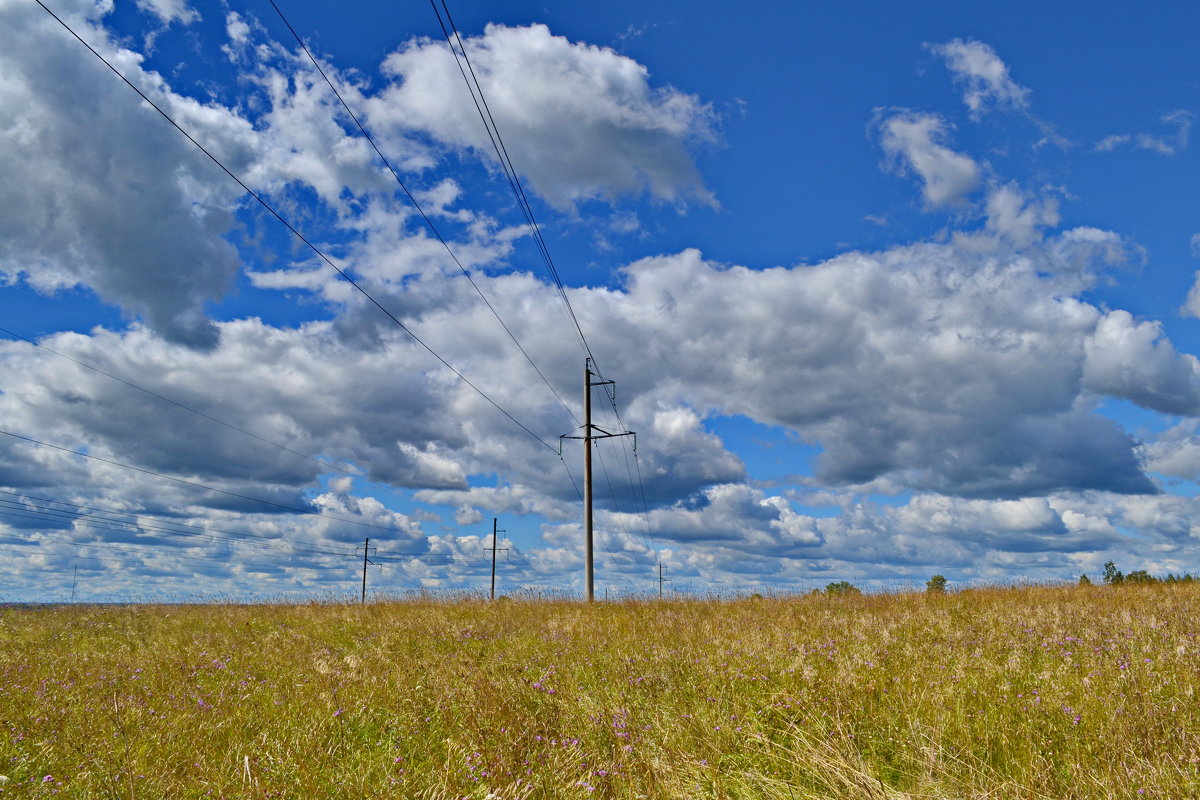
(579, 121)
(983, 75)
(1166, 145)
(169, 11)
(916, 143)
(98, 190)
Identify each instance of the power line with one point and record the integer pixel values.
(635, 487)
(613, 495)
(174, 553)
(295, 232)
(197, 411)
(569, 475)
(401, 558)
(135, 547)
(199, 531)
(195, 484)
(235, 537)
(617, 508)
(231, 426)
(645, 507)
(146, 548)
(321, 255)
(485, 114)
(611, 492)
(180, 529)
(14, 510)
(433, 228)
(489, 124)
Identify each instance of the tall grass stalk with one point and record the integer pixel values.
(1004, 693)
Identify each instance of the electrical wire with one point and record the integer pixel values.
(647, 534)
(196, 411)
(502, 152)
(616, 508)
(489, 124)
(433, 228)
(116, 526)
(195, 484)
(612, 494)
(638, 486)
(571, 476)
(295, 232)
(139, 550)
(191, 531)
(137, 524)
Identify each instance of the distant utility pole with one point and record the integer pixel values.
(74, 580)
(366, 548)
(590, 432)
(661, 580)
(493, 548)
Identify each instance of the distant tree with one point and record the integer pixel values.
(936, 585)
(1084, 580)
(1140, 576)
(1112, 575)
(842, 588)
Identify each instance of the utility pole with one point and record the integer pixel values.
(366, 548)
(590, 432)
(74, 580)
(587, 480)
(493, 548)
(661, 580)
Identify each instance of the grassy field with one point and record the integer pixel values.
(1005, 693)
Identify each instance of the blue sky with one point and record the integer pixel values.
(886, 291)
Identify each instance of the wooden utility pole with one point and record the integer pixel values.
(493, 548)
(587, 480)
(590, 432)
(661, 580)
(366, 548)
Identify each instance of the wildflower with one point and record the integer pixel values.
(338, 713)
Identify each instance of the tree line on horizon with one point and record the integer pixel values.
(1114, 577)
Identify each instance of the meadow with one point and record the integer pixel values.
(1035, 692)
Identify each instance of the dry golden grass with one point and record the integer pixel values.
(1004, 693)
